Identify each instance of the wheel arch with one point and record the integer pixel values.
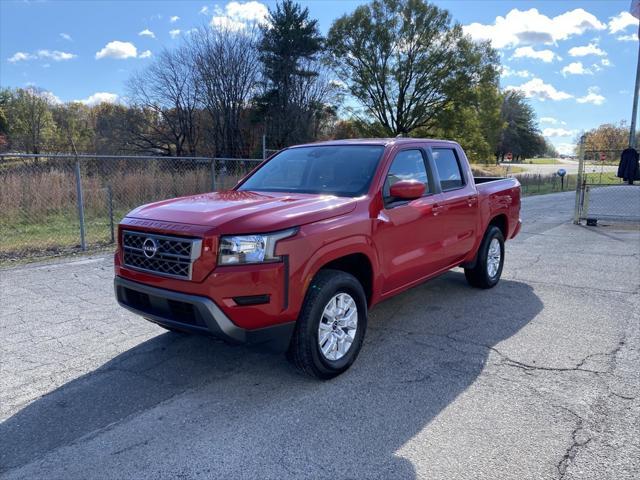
(356, 259)
(502, 222)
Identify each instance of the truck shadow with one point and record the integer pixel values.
(423, 349)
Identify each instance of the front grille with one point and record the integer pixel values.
(163, 255)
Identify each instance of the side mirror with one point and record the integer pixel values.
(407, 189)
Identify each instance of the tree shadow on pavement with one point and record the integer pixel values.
(423, 349)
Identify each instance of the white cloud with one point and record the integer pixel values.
(627, 38)
(576, 68)
(507, 71)
(20, 57)
(174, 19)
(237, 15)
(558, 132)
(536, 88)
(583, 51)
(118, 50)
(174, 33)
(551, 120)
(66, 36)
(47, 95)
(147, 33)
(204, 10)
(565, 148)
(530, 27)
(593, 96)
(528, 52)
(605, 62)
(621, 21)
(99, 97)
(55, 55)
(145, 54)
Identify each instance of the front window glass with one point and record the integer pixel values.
(408, 165)
(344, 170)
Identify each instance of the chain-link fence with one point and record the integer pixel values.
(600, 194)
(57, 204)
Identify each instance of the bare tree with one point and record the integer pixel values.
(312, 104)
(227, 67)
(167, 95)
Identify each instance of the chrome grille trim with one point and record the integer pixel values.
(173, 258)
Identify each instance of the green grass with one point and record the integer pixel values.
(542, 161)
(52, 234)
(540, 185)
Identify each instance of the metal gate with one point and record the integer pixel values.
(600, 194)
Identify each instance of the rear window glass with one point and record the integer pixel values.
(448, 168)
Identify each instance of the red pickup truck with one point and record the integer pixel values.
(310, 240)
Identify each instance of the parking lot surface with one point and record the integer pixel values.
(537, 378)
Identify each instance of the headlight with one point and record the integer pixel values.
(239, 249)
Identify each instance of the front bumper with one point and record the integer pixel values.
(193, 313)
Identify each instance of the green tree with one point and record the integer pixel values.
(74, 127)
(520, 136)
(473, 117)
(30, 121)
(294, 89)
(549, 149)
(5, 96)
(406, 63)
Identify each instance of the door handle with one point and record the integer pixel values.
(472, 200)
(437, 209)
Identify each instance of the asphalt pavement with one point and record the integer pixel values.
(535, 379)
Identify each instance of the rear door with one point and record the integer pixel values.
(458, 200)
(408, 236)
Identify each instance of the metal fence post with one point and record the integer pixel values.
(579, 193)
(264, 147)
(110, 207)
(213, 174)
(80, 199)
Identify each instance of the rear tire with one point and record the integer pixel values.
(489, 261)
(331, 326)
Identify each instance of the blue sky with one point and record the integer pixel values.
(574, 60)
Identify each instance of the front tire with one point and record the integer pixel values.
(489, 262)
(331, 326)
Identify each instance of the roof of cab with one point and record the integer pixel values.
(387, 142)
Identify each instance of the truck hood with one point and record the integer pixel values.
(236, 212)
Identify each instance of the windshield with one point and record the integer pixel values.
(344, 170)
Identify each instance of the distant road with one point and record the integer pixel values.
(571, 168)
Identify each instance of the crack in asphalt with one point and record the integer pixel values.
(576, 443)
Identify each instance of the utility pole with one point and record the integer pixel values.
(635, 11)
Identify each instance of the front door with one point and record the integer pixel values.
(408, 236)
